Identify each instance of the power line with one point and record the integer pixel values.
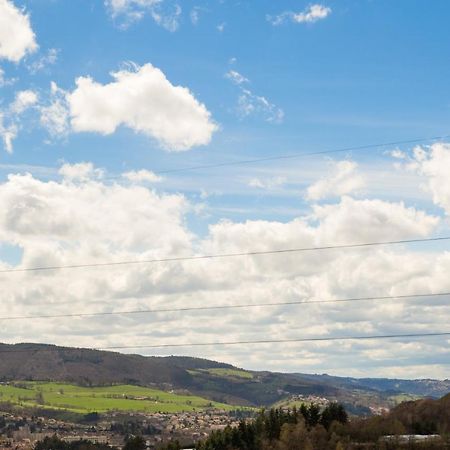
(291, 156)
(279, 341)
(226, 255)
(230, 343)
(221, 307)
(286, 156)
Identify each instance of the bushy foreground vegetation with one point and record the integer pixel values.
(311, 429)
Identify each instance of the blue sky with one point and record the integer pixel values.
(372, 71)
(223, 81)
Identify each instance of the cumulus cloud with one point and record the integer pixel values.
(144, 100)
(82, 211)
(130, 11)
(311, 14)
(366, 220)
(17, 38)
(82, 219)
(342, 180)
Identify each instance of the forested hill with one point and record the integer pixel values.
(93, 367)
(425, 416)
(214, 380)
(217, 381)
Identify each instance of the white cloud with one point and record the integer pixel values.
(139, 176)
(250, 104)
(54, 116)
(168, 20)
(268, 184)
(57, 223)
(4, 81)
(310, 15)
(80, 172)
(44, 61)
(134, 10)
(145, 101)
(23, 101)
(17, 38)
(434, 164)
(342, 180)
(367, 220)
(398, 154)
(235, 77)
(8, 132)
(195, 16)
(128, 6)
(221, 27)
(10, 118)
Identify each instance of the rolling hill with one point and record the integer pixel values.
(215, 381)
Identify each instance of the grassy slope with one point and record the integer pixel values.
(101, 399)
(233, 373)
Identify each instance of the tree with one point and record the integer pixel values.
(333, 412)
(135, 443)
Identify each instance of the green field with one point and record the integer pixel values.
(83, 400)
(286, 403)
(234, 373)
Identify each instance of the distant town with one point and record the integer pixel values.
(22, 432)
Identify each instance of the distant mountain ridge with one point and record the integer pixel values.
(214, 380)
(421, 387)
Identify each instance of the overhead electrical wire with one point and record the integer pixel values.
(220, 307)
(286, 156)
(412, 335)
(279, 341)
(251, 253)
(224, 255)
(291, 156)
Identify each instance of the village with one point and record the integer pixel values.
(22, 432)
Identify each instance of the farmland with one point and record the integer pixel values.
(61, 396)
(234, 373)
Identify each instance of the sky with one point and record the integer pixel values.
(112, 113)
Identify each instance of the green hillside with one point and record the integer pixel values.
(207, 381)
(101, 399)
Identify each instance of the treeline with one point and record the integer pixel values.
(54, 443)
(280, 429)
(309, 428)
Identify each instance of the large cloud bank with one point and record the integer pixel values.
(81, 219)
